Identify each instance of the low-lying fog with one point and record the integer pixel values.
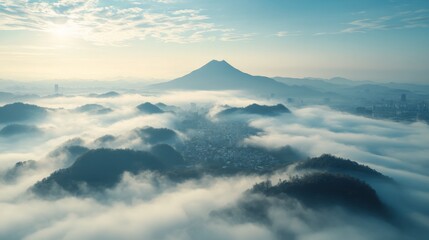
(153, 205)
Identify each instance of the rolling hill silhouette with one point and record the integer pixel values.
(98, 169)
(335, 165)
(20, 112)
(274, 110)
(149, 108)
(93, 109)
(19, 129)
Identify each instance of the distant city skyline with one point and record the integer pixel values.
(383, 40)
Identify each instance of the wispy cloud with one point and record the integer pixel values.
(96, 22)
(287, 34)
(402, 20)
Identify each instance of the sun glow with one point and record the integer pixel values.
(65, 30)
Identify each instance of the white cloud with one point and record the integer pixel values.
(317, 130)
(150, 207)
(112, 24)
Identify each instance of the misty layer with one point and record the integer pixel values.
(187, 175)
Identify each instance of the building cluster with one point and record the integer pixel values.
(220, 144)
(401, 110)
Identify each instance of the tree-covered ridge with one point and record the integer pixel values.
(320, 190)
(333, 164)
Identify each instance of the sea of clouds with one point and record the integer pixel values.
(148, 206)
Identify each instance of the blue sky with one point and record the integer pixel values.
(383, 40)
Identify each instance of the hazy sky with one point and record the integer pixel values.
(107, 39)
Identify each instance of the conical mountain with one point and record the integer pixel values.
(220, 75)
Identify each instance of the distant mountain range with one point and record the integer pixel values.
(319, 82)
(220, 75)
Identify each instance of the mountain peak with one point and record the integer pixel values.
(222, 64)
(214, 61)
